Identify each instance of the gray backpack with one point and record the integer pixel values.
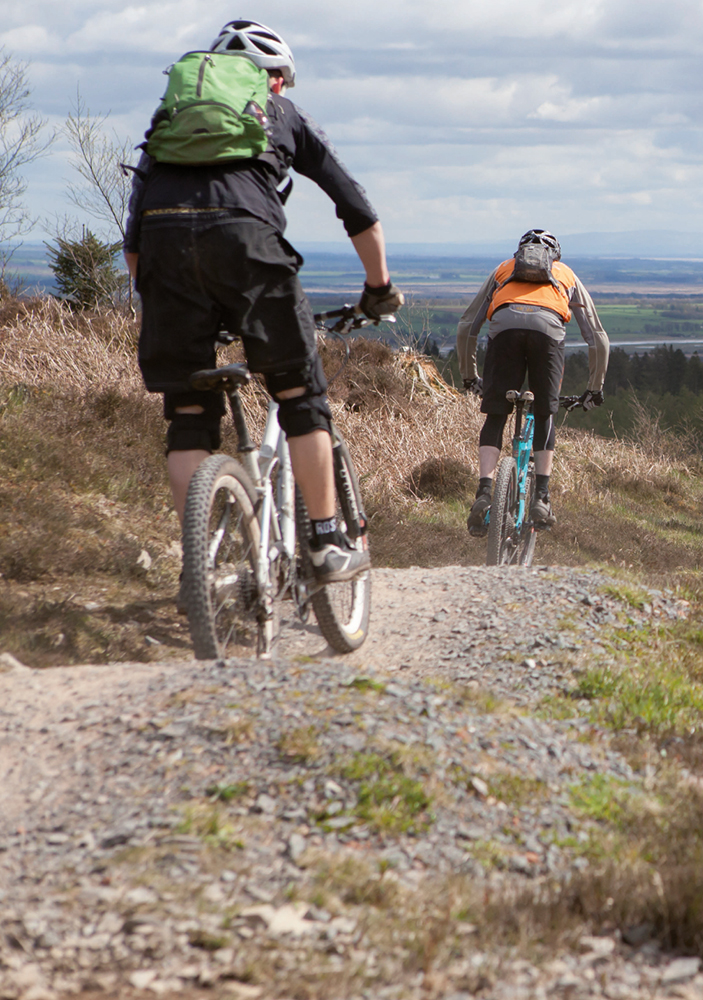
(533, 263)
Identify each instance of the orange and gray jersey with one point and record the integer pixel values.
(522, 305)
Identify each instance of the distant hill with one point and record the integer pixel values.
(648, 261)
(637, 243)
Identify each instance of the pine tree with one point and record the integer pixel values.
(86, 270)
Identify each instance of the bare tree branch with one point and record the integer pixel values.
(20, 144)
(104, 193)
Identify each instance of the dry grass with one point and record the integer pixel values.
(413, 441)
(634, 503)
(84, 492)
(44, 345)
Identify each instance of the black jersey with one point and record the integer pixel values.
(252, 186)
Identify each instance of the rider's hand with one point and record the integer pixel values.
(591, 399)
(377, 303)
(474, 385)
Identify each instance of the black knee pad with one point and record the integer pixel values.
(545, 433)
(193, 431)
(492, 431)
(302, 414)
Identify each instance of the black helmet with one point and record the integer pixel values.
(544, 237)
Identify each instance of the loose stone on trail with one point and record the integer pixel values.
(157, 838)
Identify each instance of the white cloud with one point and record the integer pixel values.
(457, 117)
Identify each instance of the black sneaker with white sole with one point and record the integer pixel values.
(337, 563)
(541, 512)
(476, 521)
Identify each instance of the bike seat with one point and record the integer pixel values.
(224, 379)
(526, 397)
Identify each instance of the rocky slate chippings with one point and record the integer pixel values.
(167, 827)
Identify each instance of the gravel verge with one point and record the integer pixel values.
(316, 825)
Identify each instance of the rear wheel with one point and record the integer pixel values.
(342, 609)
(220, 546)
(501, 550)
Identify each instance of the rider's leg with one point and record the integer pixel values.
(490, 441)
(311, 458)
(503, 369)
(541, 510)
(305, 417)
(181, 466)
(545, 372)
(488, 457)
(193, 434)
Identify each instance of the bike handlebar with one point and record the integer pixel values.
(570, 403)
(346, 311)
(348, 318)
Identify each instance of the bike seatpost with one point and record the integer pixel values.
(514, 397)
(519, 404)
(244, 441)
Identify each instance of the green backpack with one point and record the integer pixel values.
(213, 110)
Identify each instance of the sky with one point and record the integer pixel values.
(466, 121)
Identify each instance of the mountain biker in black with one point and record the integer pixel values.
(205, 245)
(526, 336)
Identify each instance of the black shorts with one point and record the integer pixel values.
(513, 354)
(198, 272)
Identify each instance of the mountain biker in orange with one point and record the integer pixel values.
(205, 245)
(526, 334)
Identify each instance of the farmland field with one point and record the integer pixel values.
(641, 302)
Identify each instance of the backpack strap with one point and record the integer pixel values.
(127, 168)
(511, 277)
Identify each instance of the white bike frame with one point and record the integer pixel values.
(276, 513)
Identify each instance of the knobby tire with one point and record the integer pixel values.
(220, 546)
(500, 551)
(342, 609)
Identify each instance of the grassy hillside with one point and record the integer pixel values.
(89, 545)
(89, 561)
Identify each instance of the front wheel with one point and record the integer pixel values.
(501, 549)
(342, 609)
(220, 547)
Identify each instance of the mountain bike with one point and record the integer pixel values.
(512, 534)
(246, 532)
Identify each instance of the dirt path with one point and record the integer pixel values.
(316, 826)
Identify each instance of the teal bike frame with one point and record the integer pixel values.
(522, 448)
(511, 533)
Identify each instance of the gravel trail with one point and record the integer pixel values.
(285, 828)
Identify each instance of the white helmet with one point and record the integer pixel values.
(257, 42)
(544, 237)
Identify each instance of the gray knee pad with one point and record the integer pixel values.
(302, 414)
(193, 431)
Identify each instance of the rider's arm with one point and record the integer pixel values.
(593, 333)
(314, 156)
(371, 248)
(134, 211)
(469, 327)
